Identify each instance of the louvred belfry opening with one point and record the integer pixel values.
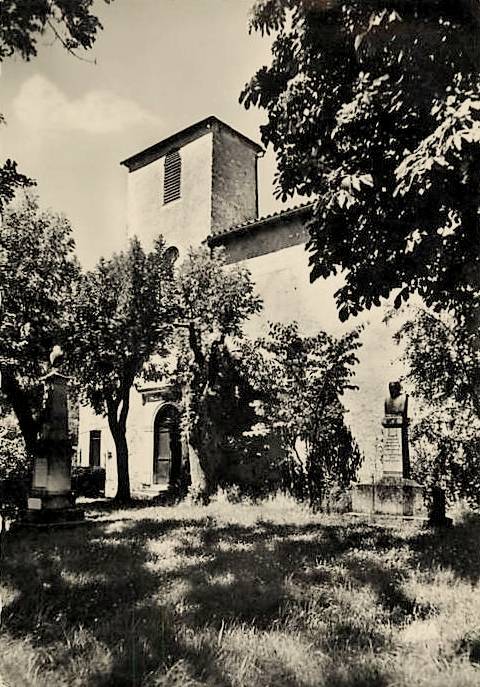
(173, 177)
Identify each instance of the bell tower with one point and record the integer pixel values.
(197, 182)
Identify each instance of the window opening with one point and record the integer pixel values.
(172, 177)
(95, 445)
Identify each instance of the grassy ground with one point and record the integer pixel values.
(241, 595)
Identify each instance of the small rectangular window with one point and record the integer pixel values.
(172, 177)
(95, 445)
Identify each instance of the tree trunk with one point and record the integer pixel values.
(202, 433)
(123, 475)
(19, 402)
(118, 426)
(201, 486)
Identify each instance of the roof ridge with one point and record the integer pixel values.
(133, 161)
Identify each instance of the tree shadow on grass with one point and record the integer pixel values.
(455, 548)
(387, 583)
(108, 582)
(244, 574)
(86, 584)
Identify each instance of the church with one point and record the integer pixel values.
(200, 185)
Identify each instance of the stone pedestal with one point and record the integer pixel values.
(395, 453)
(390, 496)
(51, 500)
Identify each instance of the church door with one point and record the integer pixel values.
(166, 447)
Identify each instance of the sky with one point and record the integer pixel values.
(157, 67)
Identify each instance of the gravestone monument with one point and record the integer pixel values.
(395, 454)
(51, 499)
(394, 493)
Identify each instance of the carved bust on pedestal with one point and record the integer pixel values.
(396, 403)
(395, 493)
(57, 357)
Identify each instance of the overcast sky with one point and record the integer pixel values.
(160, 66)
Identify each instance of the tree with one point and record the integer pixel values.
(443, 363)
(38, 275)
(214, 300)
(373, 111)
(122, 319)
(249, 465)
(72, 23)
(10, 181)
(300, 381)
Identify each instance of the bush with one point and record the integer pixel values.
(446, 454)
(299, 381)
(88, 481)
(251, 468)
(15, 468)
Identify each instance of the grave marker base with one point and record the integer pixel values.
(391, 495)
(47, 518)
(46, 509)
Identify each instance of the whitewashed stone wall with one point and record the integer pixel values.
(182, 222)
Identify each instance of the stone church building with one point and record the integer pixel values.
(200, 185)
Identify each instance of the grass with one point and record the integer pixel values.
(234, 595)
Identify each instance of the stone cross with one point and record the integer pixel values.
(396, 460)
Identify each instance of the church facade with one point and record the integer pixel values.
(201, 185)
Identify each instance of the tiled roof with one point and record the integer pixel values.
(266, 219)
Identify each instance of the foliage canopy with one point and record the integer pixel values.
(38, 278)
(373, 111)
(444, 365)
(24, 22)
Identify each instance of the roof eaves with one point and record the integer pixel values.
(254, 223)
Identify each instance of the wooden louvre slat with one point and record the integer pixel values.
(172, 177)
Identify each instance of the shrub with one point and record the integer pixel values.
(15, 468)
(443, 360)
(299, 382)
(88, 480)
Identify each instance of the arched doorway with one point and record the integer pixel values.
(167, 449)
